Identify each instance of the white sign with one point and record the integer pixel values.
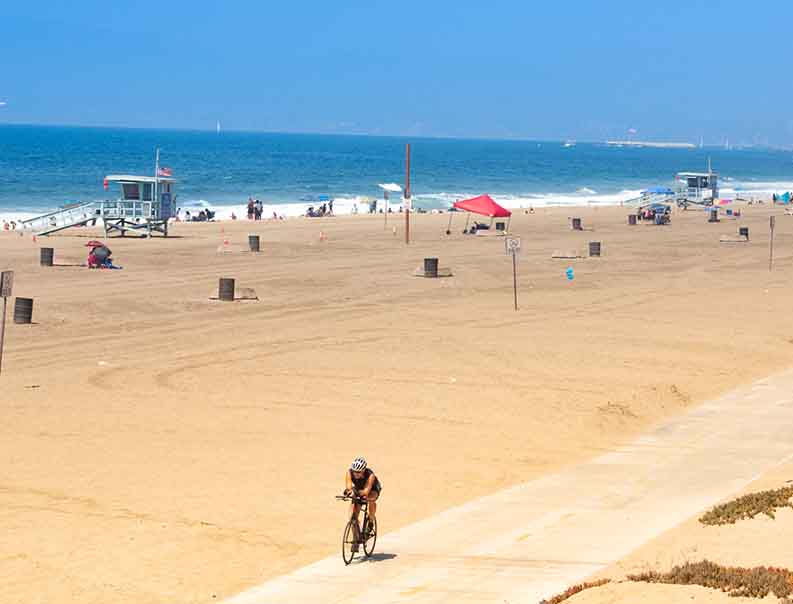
(512, 245)
(6, 283)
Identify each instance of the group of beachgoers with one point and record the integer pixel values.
(205, 215)
(9, 225)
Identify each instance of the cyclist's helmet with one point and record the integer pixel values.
(358, 464)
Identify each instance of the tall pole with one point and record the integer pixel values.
(3, 332)
(515, 279)
(407, 193)
(771, 248)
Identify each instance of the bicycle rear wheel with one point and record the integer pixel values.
(349, 540)
(370, 538)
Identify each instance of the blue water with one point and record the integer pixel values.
(45, 167)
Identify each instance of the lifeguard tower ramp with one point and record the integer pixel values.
(79, 214)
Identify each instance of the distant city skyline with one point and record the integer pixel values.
(673, 72)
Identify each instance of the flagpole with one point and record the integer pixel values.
(155, 199)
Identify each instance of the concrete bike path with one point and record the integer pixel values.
(534, 540)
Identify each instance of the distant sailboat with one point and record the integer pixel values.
(218, 127)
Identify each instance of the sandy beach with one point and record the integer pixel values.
(160, 447)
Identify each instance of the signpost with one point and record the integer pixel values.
(6, 287)
(512, 247)
(771, 222)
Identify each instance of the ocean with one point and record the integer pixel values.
(44, 167)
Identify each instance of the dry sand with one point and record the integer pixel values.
(160, 447)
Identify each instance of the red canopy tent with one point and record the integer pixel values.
(483, 205)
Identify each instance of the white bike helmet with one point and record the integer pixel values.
(358, 464)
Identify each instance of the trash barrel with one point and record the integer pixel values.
(226, 289)
(23, 310)
(713, 215)
(253, 243)
(632, 219)
(577, 224)
(46, 256)
(430, 267)
(594, 248)
(743, 232)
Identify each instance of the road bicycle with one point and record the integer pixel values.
(355, 534)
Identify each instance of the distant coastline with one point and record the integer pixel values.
(651, 144)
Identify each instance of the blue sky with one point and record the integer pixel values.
(504, 68)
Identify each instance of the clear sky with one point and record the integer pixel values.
(505, 68)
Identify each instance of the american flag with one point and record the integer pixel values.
(164, 172)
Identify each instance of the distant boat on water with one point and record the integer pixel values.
(569, 143)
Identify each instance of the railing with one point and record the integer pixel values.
(63, 218)
(129, 209)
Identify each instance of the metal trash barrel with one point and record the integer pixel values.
(743, 232)
(23, 310)
(713, 215)
(46, 256)
(577, 224)
(594, 248)
(226, 289)
(500, 226)
(430, 267)
(253, 243)
(631, 219)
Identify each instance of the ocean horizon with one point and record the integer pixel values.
(45, 167)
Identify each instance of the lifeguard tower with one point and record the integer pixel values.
(696, 188)
(146, 204)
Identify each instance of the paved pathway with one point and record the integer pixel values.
(535, 540)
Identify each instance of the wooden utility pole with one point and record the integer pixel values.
(407, 203)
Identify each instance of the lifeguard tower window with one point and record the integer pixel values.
(698, 182)
(147, 191)
(131, 190)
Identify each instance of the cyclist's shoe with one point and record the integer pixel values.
(369, 528)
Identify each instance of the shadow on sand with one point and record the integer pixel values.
(377, 558)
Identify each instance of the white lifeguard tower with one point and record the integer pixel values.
(696, 188)
(146, 204)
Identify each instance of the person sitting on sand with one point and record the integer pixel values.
(361, 481)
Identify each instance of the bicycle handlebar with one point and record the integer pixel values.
(354, 498)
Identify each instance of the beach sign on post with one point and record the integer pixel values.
(6, 287)
(512, 247)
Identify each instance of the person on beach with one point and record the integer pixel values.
(361, 481)
(257, 210)
(330, 207)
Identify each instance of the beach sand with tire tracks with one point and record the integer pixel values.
(159, 447)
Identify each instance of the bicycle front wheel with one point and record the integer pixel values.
(370, 538)
(349, 541)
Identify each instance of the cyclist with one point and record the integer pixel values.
(361, 481)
